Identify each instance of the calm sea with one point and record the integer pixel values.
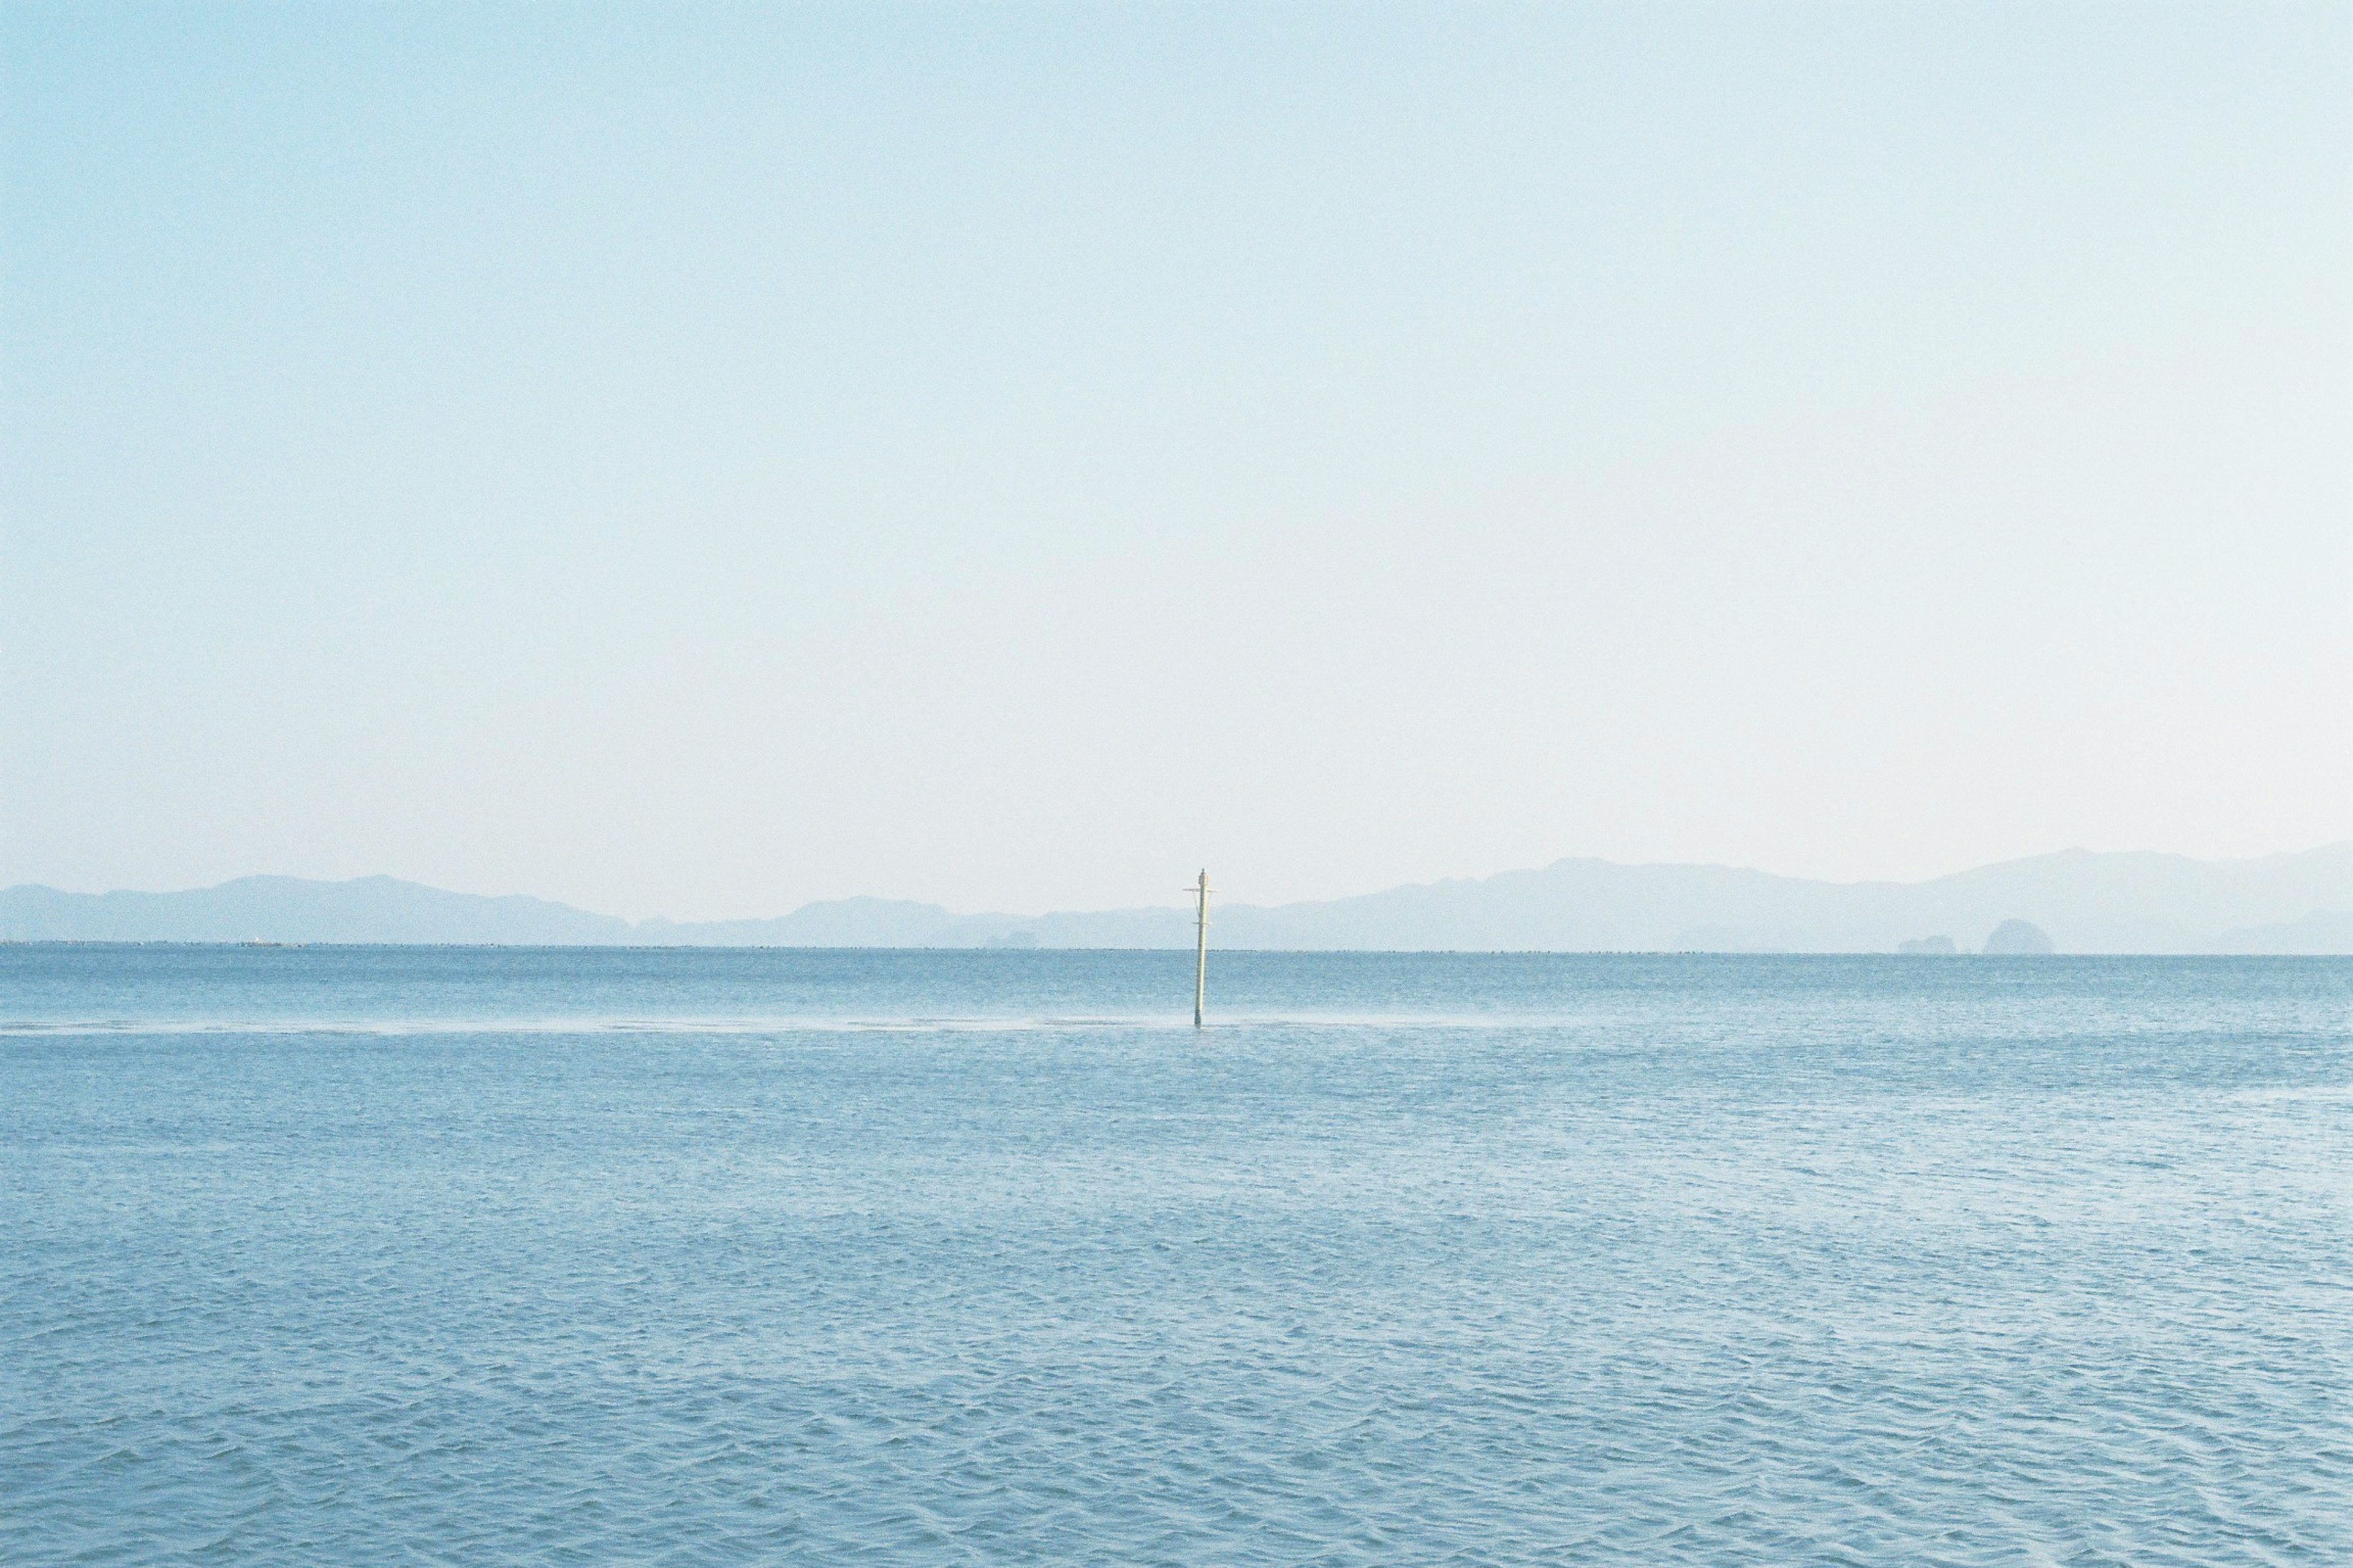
(375, 1256)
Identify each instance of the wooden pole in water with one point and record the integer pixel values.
(1201, 949)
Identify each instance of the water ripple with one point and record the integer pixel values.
(1716, 1273)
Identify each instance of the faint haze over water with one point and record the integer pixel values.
(692, 460)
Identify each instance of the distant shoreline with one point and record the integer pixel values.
(2072, 901)
(207, 945)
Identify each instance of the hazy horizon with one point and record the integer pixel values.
(698, 460)
(2076, 901)
(1222, 899)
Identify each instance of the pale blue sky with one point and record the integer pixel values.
(697, 459)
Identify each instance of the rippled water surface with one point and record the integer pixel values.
(331, 1256)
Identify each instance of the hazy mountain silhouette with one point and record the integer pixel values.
(2087, 902)
(293, 908)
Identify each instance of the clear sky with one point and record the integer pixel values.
(695, 459)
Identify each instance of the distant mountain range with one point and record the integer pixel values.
(2086, 902)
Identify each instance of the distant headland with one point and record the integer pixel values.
(2072, 901)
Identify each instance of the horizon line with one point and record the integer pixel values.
(660, 919)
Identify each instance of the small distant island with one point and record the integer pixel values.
(2016, 937)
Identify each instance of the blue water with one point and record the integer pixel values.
(459, 1256)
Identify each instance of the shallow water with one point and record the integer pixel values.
(467, 1256)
